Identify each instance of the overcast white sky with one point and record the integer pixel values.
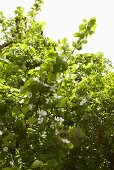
(64, 16)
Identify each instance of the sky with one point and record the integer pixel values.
(63, 18)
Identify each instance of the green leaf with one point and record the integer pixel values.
(58, 60)
(82, 27)
(64, 65)
(52, 76)
(32, 71)
(32, 120)
(84, 41)
(78, 34)
(92, 22)
(64, 40)
(70, 146)
(52, 54)
(93, 28)
(23, 46)
(74, 44)
(78, 47)
(37, 164)
(85, 20)
(91, 32)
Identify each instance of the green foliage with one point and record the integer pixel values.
(56, 106)
(86, 29)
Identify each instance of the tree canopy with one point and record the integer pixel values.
(56, 105)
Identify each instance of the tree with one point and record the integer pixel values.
(56, 106)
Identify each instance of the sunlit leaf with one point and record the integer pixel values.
(82, 27)
(84, 41)
(92, 22)
(78, 34)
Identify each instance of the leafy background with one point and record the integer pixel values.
(56, 105)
